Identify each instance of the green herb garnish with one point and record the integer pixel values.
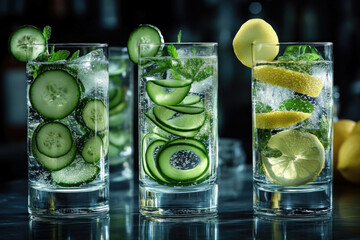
(297, 104)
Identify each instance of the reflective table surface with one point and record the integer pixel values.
(235, 219)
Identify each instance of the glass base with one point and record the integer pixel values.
(172, 202)
(312, 200)
(68, 202)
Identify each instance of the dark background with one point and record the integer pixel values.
(111, 21)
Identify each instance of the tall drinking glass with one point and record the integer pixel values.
(292, 129)
(120, 114)
(68, 131)
(178, 136)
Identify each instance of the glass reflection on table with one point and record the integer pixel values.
(178, 228)
(71, 228)
(302, 228)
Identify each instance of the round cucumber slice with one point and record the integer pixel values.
(161, 96)
(93, 149)
(54, 94)
(178, 173)
(26, 35)
(53, 139)
(150, 161)
(172, 83)
(50, 163)
(76, 174)
(145, 33)
(184, 122)
(94, 115)
(188, 134)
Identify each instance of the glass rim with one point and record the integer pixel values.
(183, 43)
(70, 44)
(294, 43)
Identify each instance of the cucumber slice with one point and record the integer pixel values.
(116, 119)
(188, 141)
(94, 115)
(26, 35)
(188, 134)
(172, 83)
(114, 151)
(144, 34)
(161, 96)
(117, 98)
(119, 137)
(50, 163)
(191, 99)
(177, 174)
(118, 109)
(145, 142)
(93, 149)
(76, 174)
(53, 139)
(188, 109)
(184, 122)
(150, 161)
(54, 94)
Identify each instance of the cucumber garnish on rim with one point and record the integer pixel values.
(27, 35)
(145, 33)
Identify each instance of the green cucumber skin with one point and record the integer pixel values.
(187, 181)
(136, 37)
(43, 125)
(77, 183)
(88, 142)
(151, 162)
(80, 110)
(156, 95)
(52, 112)
(22, 57)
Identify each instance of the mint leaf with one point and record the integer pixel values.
(47, 32)
(263, 136)
(271, 152)
(300, 53)
(172, 51)
(59, 55)
(262, 108)
(297, 104)
(74, 55)
(179, 37)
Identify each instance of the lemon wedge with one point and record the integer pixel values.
(302, 158)
(283, 119)
(296, 81)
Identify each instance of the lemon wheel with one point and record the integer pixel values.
(302, 158)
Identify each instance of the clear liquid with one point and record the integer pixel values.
(314, 198)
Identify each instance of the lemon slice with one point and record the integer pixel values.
(283, 119)
(302, 158)
(296, 81)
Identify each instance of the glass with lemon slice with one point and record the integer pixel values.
(292, 134)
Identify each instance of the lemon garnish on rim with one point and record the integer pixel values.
(281, 119)
(302, 158)
(296, 81)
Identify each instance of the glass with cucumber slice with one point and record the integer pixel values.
(177, 89)
(121, 92)
(68, 121)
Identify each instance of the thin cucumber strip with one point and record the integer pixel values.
(116, 119)
(184, 122)
(174, 173)
(145, 142)
(188, 109)
(26, 35)
(94, 115)
(161, 96)
(118, 109)
(150, 160)
(172, 83)
(50, 163)
(119, 137)
(144, 34)
(54, 94)
(76, 174)
(191, 99)
(53, 139)
(152, 117)
(188, 141)
(93, 149)
(117, 97)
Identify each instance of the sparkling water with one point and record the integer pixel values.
(45, 197)
(315, 197)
